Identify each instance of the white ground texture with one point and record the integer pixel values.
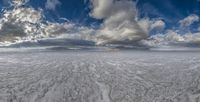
(106, 76)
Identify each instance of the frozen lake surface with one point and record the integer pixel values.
(106, 76)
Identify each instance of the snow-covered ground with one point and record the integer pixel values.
(99, 76)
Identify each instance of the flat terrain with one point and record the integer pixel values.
(106, 76)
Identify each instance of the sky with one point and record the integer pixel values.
(171, 11)
(152, 23)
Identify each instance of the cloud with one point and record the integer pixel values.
(18, 2)
(52, 4)
(19, 22)
(9, 32)
(158, 25)
(149, 25)
(119, 21)
(172, 38)
(121, 25)
(27, 24)
(186, 22)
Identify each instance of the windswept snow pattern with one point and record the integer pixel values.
(90, 76)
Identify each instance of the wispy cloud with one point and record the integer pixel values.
(52, 4)
(189, 20)
(173, 38)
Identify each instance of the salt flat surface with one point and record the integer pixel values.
(109, 76)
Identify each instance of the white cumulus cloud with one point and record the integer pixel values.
(158, 25)
(119, 21)
(148, 25)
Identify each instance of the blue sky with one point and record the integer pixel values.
(103, 21)
(171, 11)
(77, 11)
